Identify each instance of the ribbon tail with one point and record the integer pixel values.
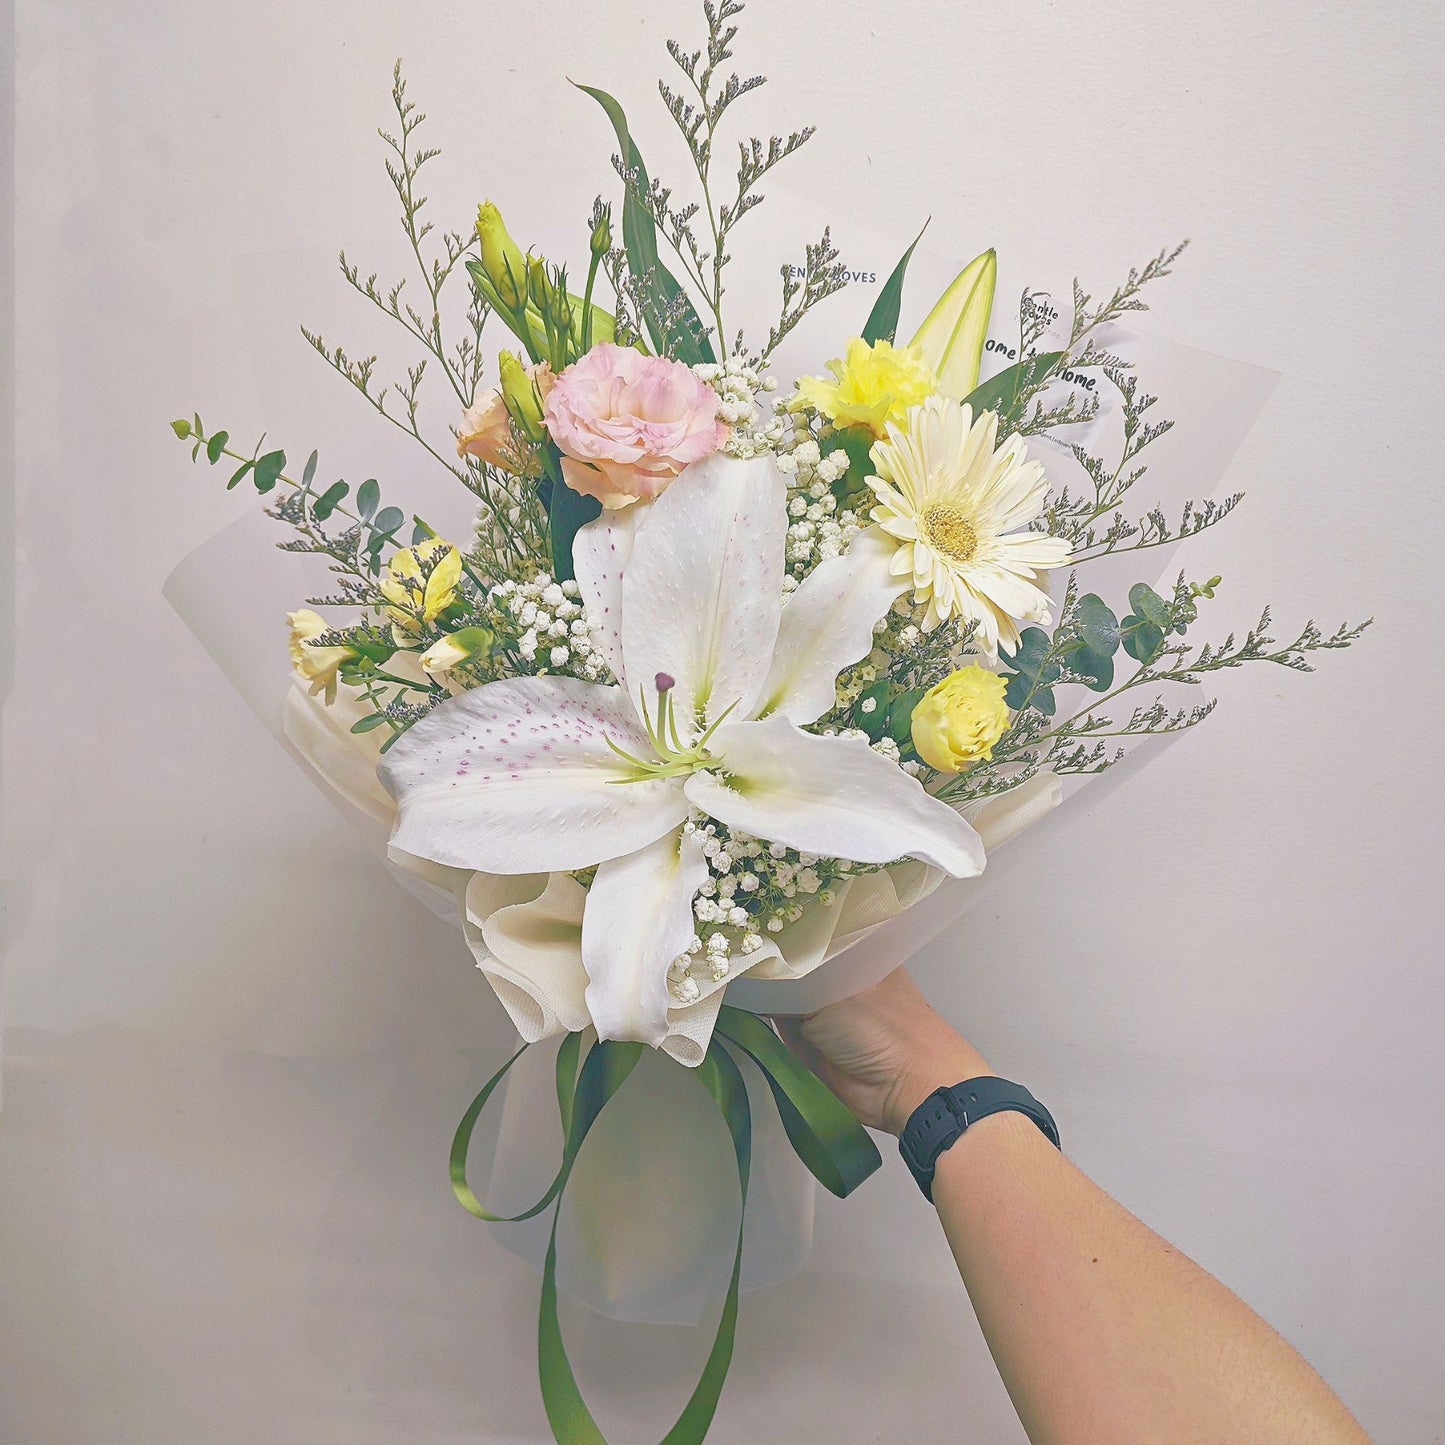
(833, 1145)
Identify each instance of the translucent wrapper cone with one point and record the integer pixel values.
(646, 1229)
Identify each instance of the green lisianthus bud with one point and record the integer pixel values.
(521, 395)
(502, 259)
(601, 242)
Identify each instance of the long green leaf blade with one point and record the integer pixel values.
(639, 237)
(882, 322)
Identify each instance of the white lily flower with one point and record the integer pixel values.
(552, 774)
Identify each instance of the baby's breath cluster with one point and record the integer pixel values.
(754, 889)
(754, 429)
(907, 655)
(819, 527)
(541, 624)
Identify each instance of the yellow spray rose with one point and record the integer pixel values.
(871, 385)
(957, 723)
(421, 582)
(448, 653)
(318, 665)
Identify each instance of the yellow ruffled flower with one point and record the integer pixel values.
(421, 582)
(957, 723)
(318, 665)
(871, 386)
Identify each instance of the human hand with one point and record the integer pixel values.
(882, 1051)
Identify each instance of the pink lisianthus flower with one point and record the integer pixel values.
(627, 424)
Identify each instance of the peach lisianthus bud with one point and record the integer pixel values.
(486, 430)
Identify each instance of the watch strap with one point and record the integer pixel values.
(940, 1120)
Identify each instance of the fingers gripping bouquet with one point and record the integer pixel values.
(730, 672)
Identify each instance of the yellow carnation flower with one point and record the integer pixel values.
(871, 386)
(421, 582)
(318, 665)
(957, 723)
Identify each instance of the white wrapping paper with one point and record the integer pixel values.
(651, 1209)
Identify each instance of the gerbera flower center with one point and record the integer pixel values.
(950, 532)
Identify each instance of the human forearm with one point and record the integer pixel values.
(1101, 1330)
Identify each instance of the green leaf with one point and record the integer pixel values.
(216, 446)
(267, 469)
(1150, 605)
(1033, 647)
(373, 651)
(1096, 670)
(182, 428)
(874, 722)
(882, 322)
(900, 716)
(386, 523)
(567, 513)
(1098, 626)
(368, 498)
(384, 527)
(239, 473)
(1142, 640)
(1000, 393)
(329, 500)
(1031, 675)
(639, 237)
(857, 443)
(366, 724)
(308, 475)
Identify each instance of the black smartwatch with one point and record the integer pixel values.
(941, 1118)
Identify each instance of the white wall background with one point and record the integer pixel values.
(234, 1057)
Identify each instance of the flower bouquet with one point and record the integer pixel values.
(732, 674)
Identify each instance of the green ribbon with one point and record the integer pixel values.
(827, 1138)
(823, 1132)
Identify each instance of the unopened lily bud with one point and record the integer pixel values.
(502, 259)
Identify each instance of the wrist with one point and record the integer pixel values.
(937, 1069)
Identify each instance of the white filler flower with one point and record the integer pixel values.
(949, 496)
(552, 774)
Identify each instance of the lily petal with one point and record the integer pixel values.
(702, 595)
(600, 553)
(638, 920)
(517, 777)
(827, 625)
(831, 796)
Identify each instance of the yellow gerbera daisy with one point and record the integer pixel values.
(951, 497)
